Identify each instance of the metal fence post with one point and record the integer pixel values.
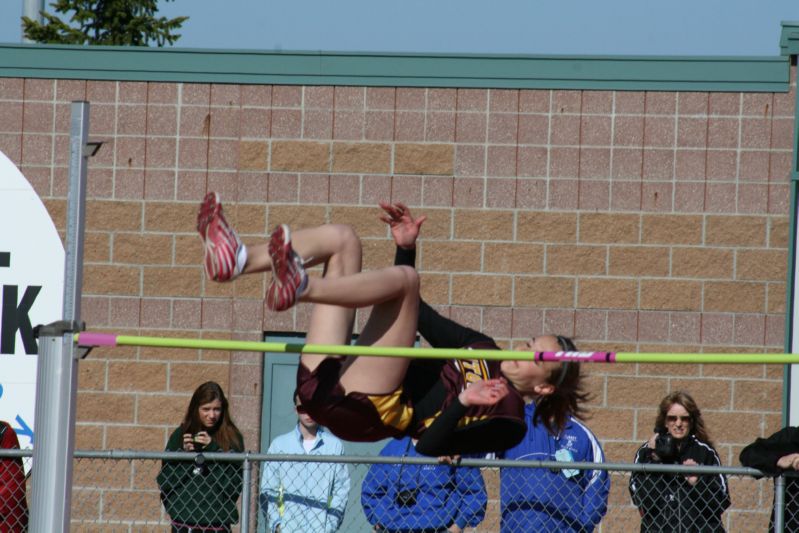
(246, 493)
(779, 504)
(57, 372)
(56, 381)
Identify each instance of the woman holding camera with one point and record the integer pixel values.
(679, 502)
(201, 495)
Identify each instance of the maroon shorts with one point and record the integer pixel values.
(355, 416)
(371, 417)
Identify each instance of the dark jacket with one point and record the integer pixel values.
(763, 454)
(206, 498)
(668, 503)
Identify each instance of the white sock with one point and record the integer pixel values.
(241, 259)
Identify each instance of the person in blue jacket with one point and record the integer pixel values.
(414, 498)
(562, 499)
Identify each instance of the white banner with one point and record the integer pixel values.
(32, 283)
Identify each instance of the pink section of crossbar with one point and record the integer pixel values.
(595, 357)
(88, 338)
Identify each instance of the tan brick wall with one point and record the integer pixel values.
(632, 221)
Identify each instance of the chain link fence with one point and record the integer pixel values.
(125, 491)
(14, 495)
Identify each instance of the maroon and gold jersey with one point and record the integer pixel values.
(479, 428)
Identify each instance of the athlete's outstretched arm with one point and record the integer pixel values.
(439, 331)
(444, 437)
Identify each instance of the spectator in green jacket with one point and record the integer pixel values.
(201, 495)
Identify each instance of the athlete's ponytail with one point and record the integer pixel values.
(553, 409)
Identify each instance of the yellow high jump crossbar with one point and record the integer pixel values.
(90, 339)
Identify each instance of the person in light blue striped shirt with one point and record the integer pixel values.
(298, 497)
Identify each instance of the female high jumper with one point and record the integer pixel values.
(362, 398)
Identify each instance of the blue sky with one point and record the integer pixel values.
(581, 27)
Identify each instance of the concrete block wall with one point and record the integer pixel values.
(633, 221)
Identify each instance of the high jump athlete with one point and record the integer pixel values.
(370, 398)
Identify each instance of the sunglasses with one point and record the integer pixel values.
(673, 418)
(300, 409)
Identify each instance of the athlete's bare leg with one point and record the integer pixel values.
(340, 248)
(316, 246)
(394, 293)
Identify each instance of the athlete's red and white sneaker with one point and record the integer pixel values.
(222, 245)
(289, 278)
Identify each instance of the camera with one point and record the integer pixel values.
(198, 446)
(406, 498)
(666, 447)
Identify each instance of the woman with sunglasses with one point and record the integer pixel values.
(679, 502)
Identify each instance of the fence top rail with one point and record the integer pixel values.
(9, 452)
(368, 459)
(94, 339)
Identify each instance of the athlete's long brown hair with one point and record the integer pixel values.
(224, 433)
(686, 400)
(553, 409)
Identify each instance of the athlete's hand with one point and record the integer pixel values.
(789, 462)
(484, 392)
(404, 228)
